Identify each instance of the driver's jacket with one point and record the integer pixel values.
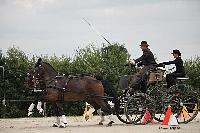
(146, 59)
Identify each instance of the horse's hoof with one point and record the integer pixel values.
(100, 123)
(110, 123)
(61, 126)
(30, 113)
(41, 111)
(54, 125)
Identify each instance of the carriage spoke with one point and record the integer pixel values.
(136, 107)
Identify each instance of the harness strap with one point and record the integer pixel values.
(61, 94)
(67, 81)
(62, 89)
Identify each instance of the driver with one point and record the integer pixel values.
(147, 61)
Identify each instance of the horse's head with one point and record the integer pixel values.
(44, 71)
(29, 78)
(36, 74)
(39, 69)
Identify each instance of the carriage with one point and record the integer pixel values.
(181, 97)
(128, 107)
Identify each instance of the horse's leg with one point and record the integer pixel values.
(99, 111)
(63, 120)
(56, 111)
(39, 104)
(106, 108)
(30, 109)
(39, 107)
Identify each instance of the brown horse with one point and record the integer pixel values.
(59, 89)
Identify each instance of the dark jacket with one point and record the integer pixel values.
(146, 59)
(178, 63)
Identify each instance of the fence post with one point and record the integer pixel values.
(45, 109)
(4, 107)
(4, 100)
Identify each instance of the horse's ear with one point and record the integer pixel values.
(39, 60)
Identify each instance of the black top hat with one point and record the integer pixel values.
(144, 43)
(176, 51)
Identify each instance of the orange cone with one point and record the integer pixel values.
(147, 118)
(167, 116)
(184, 112)
(88, 113)
(195, 109)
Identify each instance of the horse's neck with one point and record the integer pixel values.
(50, 76)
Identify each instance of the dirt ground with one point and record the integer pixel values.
(78, 125)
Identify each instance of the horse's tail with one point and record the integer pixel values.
(123, 82)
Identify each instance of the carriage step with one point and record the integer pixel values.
(182, 78)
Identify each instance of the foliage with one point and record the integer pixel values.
(108, 61)
(12, 86)
(192, 68)
(87, 60)
(114, 58)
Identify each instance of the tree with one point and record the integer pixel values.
(14, 88)
(87, 60)
(192, 68)
(114, 58)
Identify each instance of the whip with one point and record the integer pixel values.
(98, 33)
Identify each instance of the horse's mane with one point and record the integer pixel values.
(49, 66)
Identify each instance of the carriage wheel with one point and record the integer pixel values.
(161, 107)
(137, 105)
(119, 109)
(184, 108)
(189, 109)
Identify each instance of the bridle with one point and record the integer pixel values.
(38, 79)
(35, 79)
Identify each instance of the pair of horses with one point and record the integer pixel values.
(60, 89)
